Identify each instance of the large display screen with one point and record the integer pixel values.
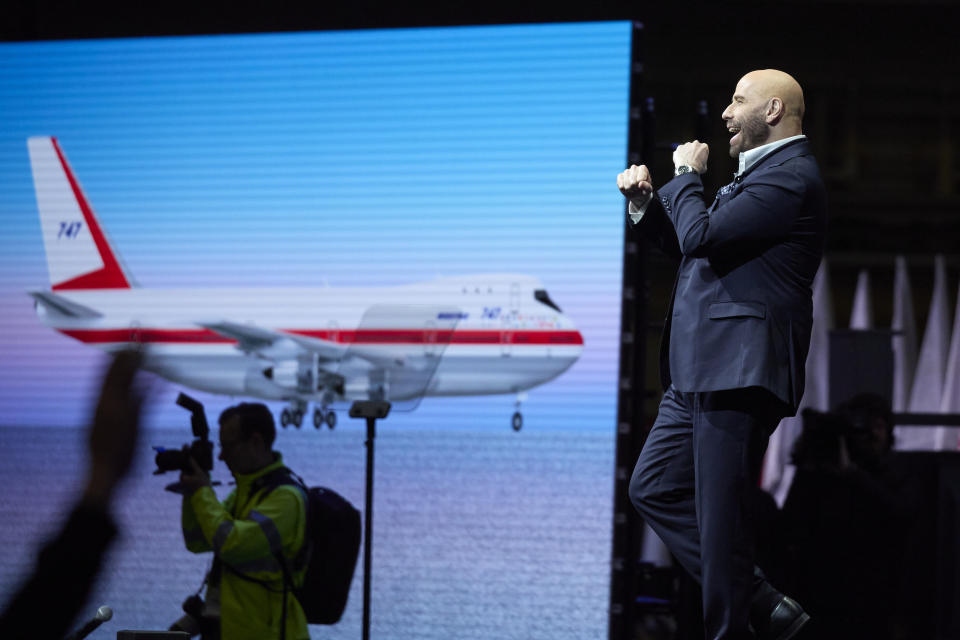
(278, 190)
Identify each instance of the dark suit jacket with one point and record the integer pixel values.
(741, 310)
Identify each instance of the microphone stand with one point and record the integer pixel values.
(104, 613)
(371, 410)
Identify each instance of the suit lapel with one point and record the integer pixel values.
(794, 148)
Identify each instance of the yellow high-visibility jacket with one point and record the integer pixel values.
(245, 532)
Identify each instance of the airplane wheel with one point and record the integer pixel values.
(517, 422)
(331, 419)
(317, 418)
(285, 418)
(297, 418)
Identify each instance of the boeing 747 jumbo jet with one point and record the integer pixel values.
(455, 336)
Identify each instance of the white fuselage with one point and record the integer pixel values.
(491, 335)
(467, 335)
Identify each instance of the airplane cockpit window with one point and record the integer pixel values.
(541, 295)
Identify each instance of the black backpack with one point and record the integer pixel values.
(332, 542)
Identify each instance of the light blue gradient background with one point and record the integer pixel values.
(363, 158)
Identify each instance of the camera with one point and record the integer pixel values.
(201, 449)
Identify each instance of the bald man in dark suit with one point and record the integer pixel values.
(734, 345)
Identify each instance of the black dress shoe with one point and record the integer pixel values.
(784, 621)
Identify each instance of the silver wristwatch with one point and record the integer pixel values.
(682, 169)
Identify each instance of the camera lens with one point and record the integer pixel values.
(170, 460)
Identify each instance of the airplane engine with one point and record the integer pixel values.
(257, 383)
(285, 374)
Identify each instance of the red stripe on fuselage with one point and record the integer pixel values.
(147, 336)
(442, 336)
(359, 336)
(110, 275)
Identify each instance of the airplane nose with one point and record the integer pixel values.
(572, 353)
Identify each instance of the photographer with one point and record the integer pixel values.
(256, 528)
(846, 515)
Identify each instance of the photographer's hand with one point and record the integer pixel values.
(192, 480)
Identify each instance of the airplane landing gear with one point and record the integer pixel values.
(292, 415)
(517, 421)
(321, 416)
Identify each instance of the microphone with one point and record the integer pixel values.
(104, 613)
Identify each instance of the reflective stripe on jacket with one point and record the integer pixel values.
(265, 521)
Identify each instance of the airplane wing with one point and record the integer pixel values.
(370, 354)
(393, 352)
(276, 344)
(270, 343)
(249, 338)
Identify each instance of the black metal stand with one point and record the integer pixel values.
(371, 410)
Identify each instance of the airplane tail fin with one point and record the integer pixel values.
(79, 253)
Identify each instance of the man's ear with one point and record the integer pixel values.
(775, 110)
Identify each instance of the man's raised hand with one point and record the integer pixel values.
(115, 429)
(636, 184)
(692, 154)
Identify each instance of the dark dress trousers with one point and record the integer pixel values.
(732, 363)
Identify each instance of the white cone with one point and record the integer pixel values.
(861, 317)
(777, 469)
(948, 438)
(654, 550)
(904, 328)
(926, 393)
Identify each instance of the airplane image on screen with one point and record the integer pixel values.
(453, 336)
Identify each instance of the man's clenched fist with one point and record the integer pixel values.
(636, 184)
(692, 154)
